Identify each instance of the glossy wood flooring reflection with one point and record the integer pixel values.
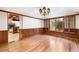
(40, 43)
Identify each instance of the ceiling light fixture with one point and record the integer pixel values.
(44, 11)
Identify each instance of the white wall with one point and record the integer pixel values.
(25, 22)
(3, 21)
(77, 21)
(32, 23)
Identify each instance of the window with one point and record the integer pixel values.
(66, 24)
(72, 24)
(59, 24)
(52, 25)
(69, 24)
(56, 24)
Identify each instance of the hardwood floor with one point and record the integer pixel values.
(41, 43)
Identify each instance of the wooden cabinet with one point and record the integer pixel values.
(15, 30)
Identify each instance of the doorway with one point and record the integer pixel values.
(13, 27)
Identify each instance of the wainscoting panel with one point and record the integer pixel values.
(3, 36)
(70, 36)
(30, 32)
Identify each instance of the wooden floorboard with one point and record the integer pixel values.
(41, 43)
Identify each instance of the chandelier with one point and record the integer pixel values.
(44, 11)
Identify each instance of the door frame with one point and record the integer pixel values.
(21, 26)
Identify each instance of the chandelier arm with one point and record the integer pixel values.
(44, 11)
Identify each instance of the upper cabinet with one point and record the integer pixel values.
(13, 17)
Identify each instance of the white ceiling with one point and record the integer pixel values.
(34, 11)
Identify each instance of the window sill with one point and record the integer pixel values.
(63, 32)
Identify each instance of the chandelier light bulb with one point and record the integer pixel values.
(44, 11)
